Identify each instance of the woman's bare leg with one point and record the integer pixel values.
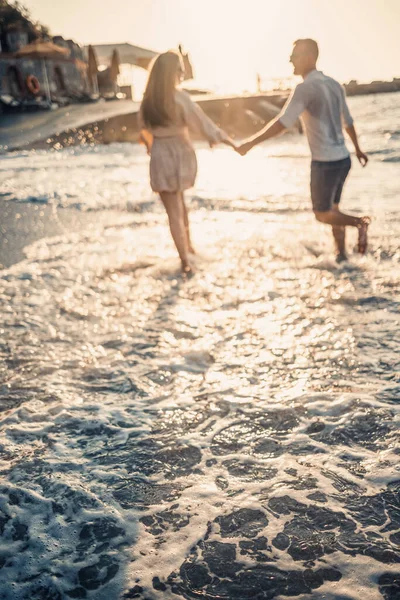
(174, 208)
(187, 226)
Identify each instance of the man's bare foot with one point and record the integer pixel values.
(363, 235)
(341, 257)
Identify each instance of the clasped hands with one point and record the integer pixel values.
(241, 149)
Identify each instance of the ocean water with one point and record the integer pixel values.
(230, 436)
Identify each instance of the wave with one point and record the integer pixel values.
(386, 154)
(392, 159)
(262, 205)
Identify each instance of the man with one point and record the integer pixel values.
(321, 102)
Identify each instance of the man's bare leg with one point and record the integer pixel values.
(339, 236)
(173, 206)
(187, 226)
(338, 219)
(363, 235)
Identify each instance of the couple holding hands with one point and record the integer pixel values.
(167, 114)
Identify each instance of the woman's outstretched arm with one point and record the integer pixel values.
(198, 121)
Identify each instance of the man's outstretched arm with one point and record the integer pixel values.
(285, 120)
(273, 129)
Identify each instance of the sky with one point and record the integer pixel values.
(231, 40)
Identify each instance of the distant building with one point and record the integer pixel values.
(39, 77)
(16, 39)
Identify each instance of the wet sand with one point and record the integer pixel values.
(23, 224)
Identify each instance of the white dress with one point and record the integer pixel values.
(173, 164)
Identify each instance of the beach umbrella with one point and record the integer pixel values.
(189, 74)
(93, 69)
(114, 67)
(128, 54)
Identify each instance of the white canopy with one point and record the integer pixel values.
(129, 54)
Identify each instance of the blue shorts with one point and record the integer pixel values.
(327, 181)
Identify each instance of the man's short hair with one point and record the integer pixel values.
(310, 45)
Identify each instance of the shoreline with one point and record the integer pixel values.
(110, 122)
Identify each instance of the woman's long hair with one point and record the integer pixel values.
(159, 105)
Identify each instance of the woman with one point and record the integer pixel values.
(165, 117)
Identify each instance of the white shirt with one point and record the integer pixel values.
(321, 101)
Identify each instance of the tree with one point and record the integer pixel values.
(14, 14)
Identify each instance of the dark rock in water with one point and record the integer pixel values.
(268, 448)
(368, 430)
(315, 531)
(303, 483)
(139, 493)
(307, 543)
(282, 541)
(344, 486)
(245, 522)
(317, 497)
(221, 482)
(395, 539)
(165, 520)
(236, 581)
(78, 592)
(149, 457)
(93, 577)
(315, 427)
(158, 585)
(248, 471)
(45, 593)
(304, 449)
(194, 577)
(256, 549)
(101, 531)
(376, 510)
(220, 558)
(3, 522)
(255, 434)
(389, 586)
(19, 531)
(213, 569)
(178, 461)
(285, 505)
(135, 592)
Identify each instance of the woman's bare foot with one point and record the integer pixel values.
(186, 268)
(363, 235)
(341, 257)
